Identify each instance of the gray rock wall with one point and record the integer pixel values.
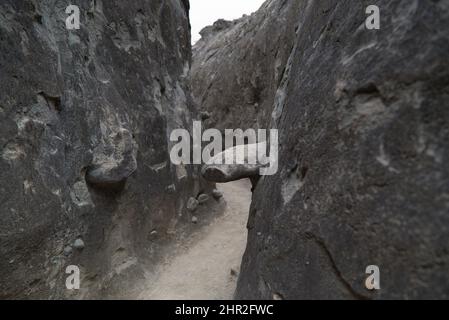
(364, 141)
(85, 117)
(363, 118)
(238, 65)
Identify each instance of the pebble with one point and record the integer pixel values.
(78, 244)
(205, 115)
(277, 296)
(203, 198)
(192, 204)
(68, 250)
(217, 194)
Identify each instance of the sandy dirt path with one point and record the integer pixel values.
(203, 270)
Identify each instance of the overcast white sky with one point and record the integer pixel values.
(206, 12)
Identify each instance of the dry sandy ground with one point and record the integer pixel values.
(203, 269)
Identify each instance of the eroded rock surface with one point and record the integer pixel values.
(237, 66)
(81, 111)
(362, 117)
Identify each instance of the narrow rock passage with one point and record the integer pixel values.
(204, 269)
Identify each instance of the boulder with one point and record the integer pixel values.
(203, 198)
(192, 204)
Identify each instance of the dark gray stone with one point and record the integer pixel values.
(171, 189)
(217, 194)
(237, 67)
(363, 118)
(82, 111)
(205, 115)
(79, 244)
(192, 204)
(203, 198)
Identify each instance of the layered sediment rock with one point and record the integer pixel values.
(84, 120)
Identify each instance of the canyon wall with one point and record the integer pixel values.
(85, 118)
(238, 65)
(363, 121)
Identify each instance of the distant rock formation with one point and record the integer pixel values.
(237, 65)
(84, 120)
(362, 118)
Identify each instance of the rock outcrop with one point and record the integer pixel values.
(225, 166)
(237, 66)
(84, 120)
(363, 124)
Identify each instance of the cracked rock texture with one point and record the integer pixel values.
(363, 117)
(363, 176)
(85, 117)
(237, 66)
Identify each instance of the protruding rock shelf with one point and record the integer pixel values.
(83, 113)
